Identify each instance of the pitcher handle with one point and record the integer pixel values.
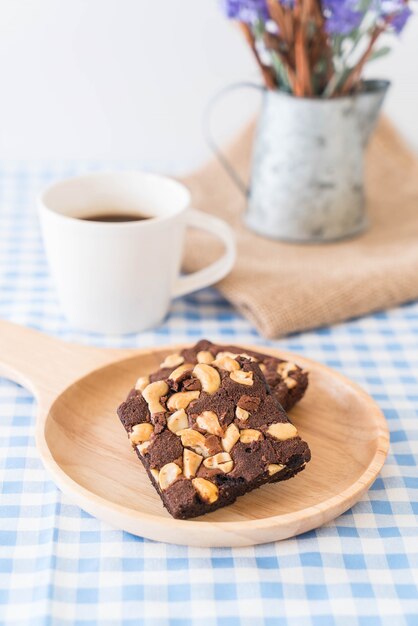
(207, 131)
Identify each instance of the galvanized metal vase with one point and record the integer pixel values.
(307, 180)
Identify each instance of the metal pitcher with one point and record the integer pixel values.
(307, 178)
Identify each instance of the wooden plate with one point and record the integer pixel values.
(85, 448)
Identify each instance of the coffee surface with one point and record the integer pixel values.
(115, 217)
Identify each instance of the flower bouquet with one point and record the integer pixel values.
(317, 47)
(318, 112)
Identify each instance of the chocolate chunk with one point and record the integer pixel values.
(164, 448)
(180, 498)
(159, 421)
(133, 411)
(213, 444)
(161, 374)
(219, 403)
(249, 403)
(192, 384)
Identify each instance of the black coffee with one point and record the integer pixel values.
(116, 217)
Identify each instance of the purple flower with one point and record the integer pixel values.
(400, 19)
(246, 10)
(342, 16)
(397, 10)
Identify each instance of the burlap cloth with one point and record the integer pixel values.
(283, 288)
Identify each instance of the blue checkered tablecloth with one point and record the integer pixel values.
(60, 566)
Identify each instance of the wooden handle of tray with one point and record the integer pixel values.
(46, 365)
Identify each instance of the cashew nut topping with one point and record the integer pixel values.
(178, 421)
(290, 382)
(208, 420)
(273, 468)
(168, 474)
(285, 367)
(282, 431)
(241, 414)
(208, 376)
(227, 363)
(250, 434)
(204, 356)
(191, 463)
(247, 356)
(172, 360)
(235, 355)
(182, 399)
(155, 473)
(206, 490)
(221, 461)
(141, 432)
(230, 438)
(152, 394)
(222, 355)
(179, 371)
(143, 447)
(262, 367)
(243, 378)
(193, 439)
(141, 383)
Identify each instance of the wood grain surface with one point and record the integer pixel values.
(85, 448)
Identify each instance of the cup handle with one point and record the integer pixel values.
(216, 270)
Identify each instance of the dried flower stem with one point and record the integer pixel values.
(266, 71)
(278, 14)
(303, 85)
(283, 18)
(274, 44)
(354, 75)
(288, 18)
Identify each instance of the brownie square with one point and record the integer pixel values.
(210, 431)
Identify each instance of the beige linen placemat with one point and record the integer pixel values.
(282, 288)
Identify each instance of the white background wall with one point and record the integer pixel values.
(129, 79)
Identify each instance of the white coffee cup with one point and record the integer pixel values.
(120, 277)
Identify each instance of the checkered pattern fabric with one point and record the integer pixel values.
(60, 566)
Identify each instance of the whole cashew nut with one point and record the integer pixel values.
(152, 394)
(208, 376)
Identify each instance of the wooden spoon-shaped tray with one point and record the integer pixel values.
(86, 451)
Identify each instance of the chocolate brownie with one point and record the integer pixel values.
(288, 382)
(207, 433)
